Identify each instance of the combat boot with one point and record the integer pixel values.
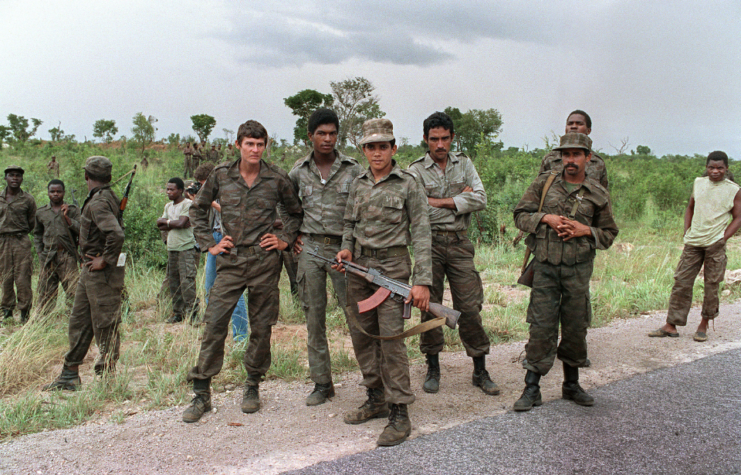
(24, 316)
(251, 398)
(201, 403)
(398, 428)
(7, 314)
(531, 395)
(432, 380)
(68, 380)
(571, 389)
(373, 408)
(320, 394)
(481, 376)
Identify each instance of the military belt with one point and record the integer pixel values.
(325, 238)
(247, 250)
(384, 253)
(457, 234)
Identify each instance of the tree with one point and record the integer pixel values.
(144, 130)
(105, 129)
(354, 103)
(302, 105)
(228, 135)
(4, 133)
(19, 127)
(203, 124)
(643, 150)
(475, 127)
(56, 133)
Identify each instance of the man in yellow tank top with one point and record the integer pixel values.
(713, 215)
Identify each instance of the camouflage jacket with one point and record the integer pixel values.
(594, 210)
(324, 202)
(247, 213)
(18, 216)
(50, 232)
(458, 174)
(390, 213)
(596, 168)
(101, 230)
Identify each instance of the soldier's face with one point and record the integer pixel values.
(14, 179)
(439, 141)
(716, 170)
(173, 192)
(251, 149)
(56, 194)
(575, 161)
(379, 155)
(324, 138)
(577, 123)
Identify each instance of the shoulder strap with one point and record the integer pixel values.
(546, 187)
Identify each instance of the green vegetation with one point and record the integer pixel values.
(648, 194)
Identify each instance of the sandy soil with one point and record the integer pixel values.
(286, 434)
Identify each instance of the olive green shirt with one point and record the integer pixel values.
(51, 231)
(101, 230)
(19, 215)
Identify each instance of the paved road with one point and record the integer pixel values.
(680, 420)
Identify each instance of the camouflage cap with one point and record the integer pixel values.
(14, 168)
(575, 140)
(377, 130)
(98, 166)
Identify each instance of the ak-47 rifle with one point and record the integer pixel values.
(390, 288)
(127, 191)
(74, 200)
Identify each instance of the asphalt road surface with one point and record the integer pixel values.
(684, 420)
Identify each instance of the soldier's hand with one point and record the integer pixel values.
(571, 229)
(95, 263)
(215, 205)
(420, 297)
(271, 241)
(224, 245)
(298, 245)
(554, 221)
(467, 189)
(343, 255)
(65, 208)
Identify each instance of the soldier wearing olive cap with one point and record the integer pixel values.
(17, 219)
(575, 219)
(97, 308)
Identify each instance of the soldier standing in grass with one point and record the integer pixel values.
(188, 159)
(386, 212)
(55, 238)
(322, 180)
(17, 220)
(454, 191)
(97, 308)
(576, 219)
(713, 215)
(53, 167)
(249, 191)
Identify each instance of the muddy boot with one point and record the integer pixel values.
(432, 380)
(531, 395)
(69, 380)
(24, 316)
(571, 389)
(251, 399)
(398, 428)
(201, 403)
(374, 407)
(481, 376)
(321, 393)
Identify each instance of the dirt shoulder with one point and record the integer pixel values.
(286, 434)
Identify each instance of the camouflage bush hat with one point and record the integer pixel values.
(14, 168)
(377, 130)
(98, 166)
(575, 140)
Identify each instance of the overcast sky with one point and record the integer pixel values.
(666, 74)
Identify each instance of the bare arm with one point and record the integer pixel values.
(690, 212)
(736, 222)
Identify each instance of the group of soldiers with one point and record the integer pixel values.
(333, 211)
(199, 153)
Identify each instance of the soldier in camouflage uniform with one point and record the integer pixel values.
(188, 159)
(322, 180)
(55, 238)
(17, 220)
(454, 191)
(97, 308)
(577, 121)
(249, 191)
(53, 167)
(386, 212)
(575, 220)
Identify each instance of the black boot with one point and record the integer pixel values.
(481, 376)
(320, 394)
(432, 380)
(571, 389)
(69, 380)
(8, 313)
(531, 395)
(251, 397)
(398, 428)
(201, 403)
(374, 407)
(24, 316)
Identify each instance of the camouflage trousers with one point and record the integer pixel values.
(258, 271)
(452, 256)
(692, 260)
(312, 288)
(16, 267)
(384, 364)
(61, 269)
(560, 294)
(189, 168)
(182, 267)
(289, 262)
(96, 313)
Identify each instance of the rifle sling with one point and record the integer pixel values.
(415, 330)
(548, 184)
